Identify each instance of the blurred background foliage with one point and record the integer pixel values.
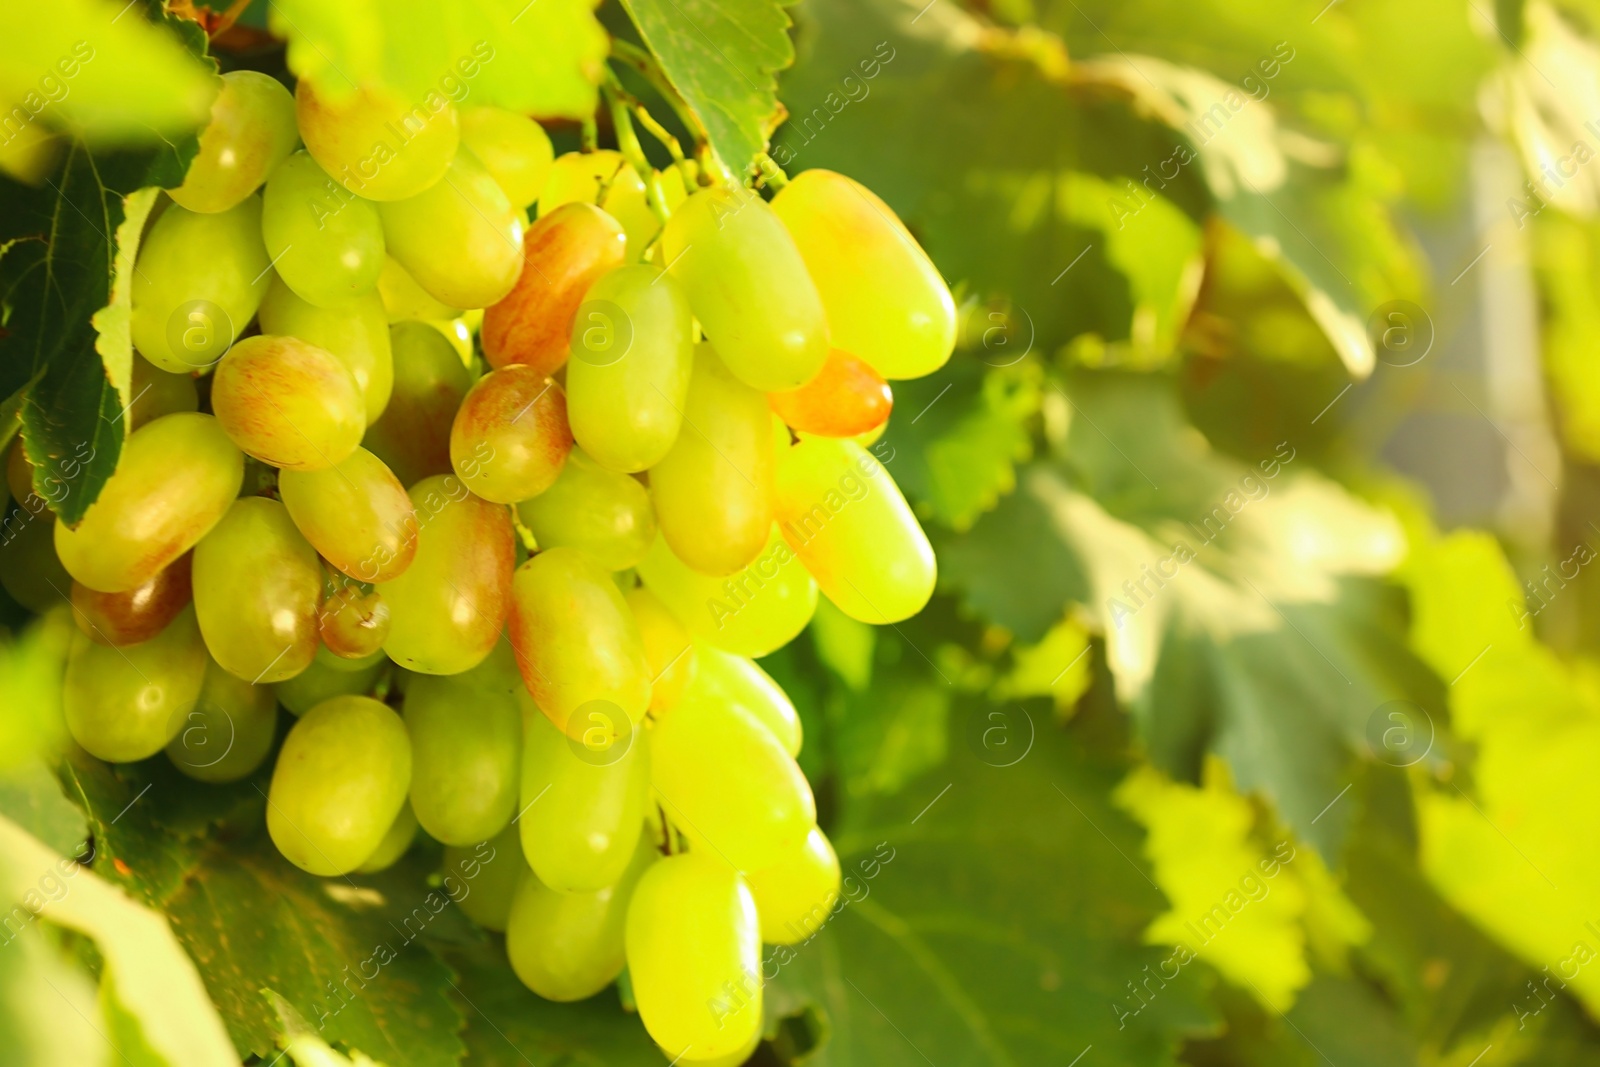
(1208, 516)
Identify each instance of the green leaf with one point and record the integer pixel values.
(722, 56)
(1337, 1020)
(31, 667)
(1566, 254)
(31, 797)
(538, 56)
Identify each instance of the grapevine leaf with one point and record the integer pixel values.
(1336, 1020)
(723, 57)
(32, 798)
(537, 56)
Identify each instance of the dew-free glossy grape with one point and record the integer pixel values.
(466, 748)
(846, 399)
(575, 177)
(325, 242)
(137, 614)
(375, 144)
(250, 133)
(795, 896)
(327, 677)
(461, 239)
(356, 334)
(510, 437)
(603, 514)
(288, 403)
(514, 148)
(228, 731)
(667, 648)
(124, 704)
(413, 434)
(356, 514)
(723, 677)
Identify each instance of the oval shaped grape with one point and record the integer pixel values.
(340, 781)
(667, 648)
(601, 513)
(356, 514)
(446, 611)
(795, 896)
(846, 399)
(176, 477)
(748, 286)
(325, 242)
(250, 133)
(713, 491)
(885, 300)
(30, 570)
(461, 240)
(376, 145)
(327, 677)
(483, 878)
(403, 299)
(723, 677)
(510, 437)
(412, 435)
(356, 334)
(632, 353)
(257, 588)
(396, 841)
(288, 403)
(575, 177)
(138, 614)
(513, 147)
(851, 527)
(125, 704)
(693, 945)
(564, 253)
(354, 623)
(466, 759)
(199, 281)
(157, 392)
(229, 730)
(575, 638)
(753, 611)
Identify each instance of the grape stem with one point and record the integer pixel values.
(589, 135)
(632, 150)
(642, 61)
(663, 135)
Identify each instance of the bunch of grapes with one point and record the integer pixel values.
(503, 512)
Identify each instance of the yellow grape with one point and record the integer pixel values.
(374, 144)
(404, 299)
(752, 612)
(326, 243)
(257, 587)
(601, 513)
(138, 614)
(575, 178)
(466, 752)
(848, 398)
(576, 640)
(885, 300)
(461, 240)
(510, 435)
(713, 491)
(198, 283)
(340, 781)
(288, 403)
(251, 131)
(582, 806)
(446, 611)
(847, 521)
(356, 333)
(175, 478)
(483, 878)
(514, 147)
(568, 946)
(666, 648)
(157, 392)
(726, 780)
(356, 514)
(723, 677)
(796, 894)
(748, 287)
(413, 434)
(228, 732)
(396, 841)
(354, 623)
(327, 677)
(693, 946)
(632, 353)
(124, 704)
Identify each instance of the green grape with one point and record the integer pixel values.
(568, 946)
(124, 704)
(404, 299)
(510, 436)
(19, 475)
(483, 878)
(575, 639)
(446, 611)
(175, 478)
(30, 569)
(632, 352)
(138, 614)
(228, 732)
(356, 333)
(198, 283)
(461, 240)
(514, 147)
(694, 957)
(847, 521)
(748, 287)
(157, 392)
(288, 403)
(325, 242)
(727, 781)
(356, 514)
(376, 145)
(413, 435)
(575, 177)
(795, 896)
(251, 131)
(723, 677)
(354, 624)
(713, 491)
(582, 806)
(753, 612)
(340, 782)
(329, 658)
(667, 649)
(601, 513)
(326, 677)
(885, 300)
(395, 842)
(736, 1058)
(257, 587)
(466, 749)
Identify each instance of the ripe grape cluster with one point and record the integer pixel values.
(502, 512)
